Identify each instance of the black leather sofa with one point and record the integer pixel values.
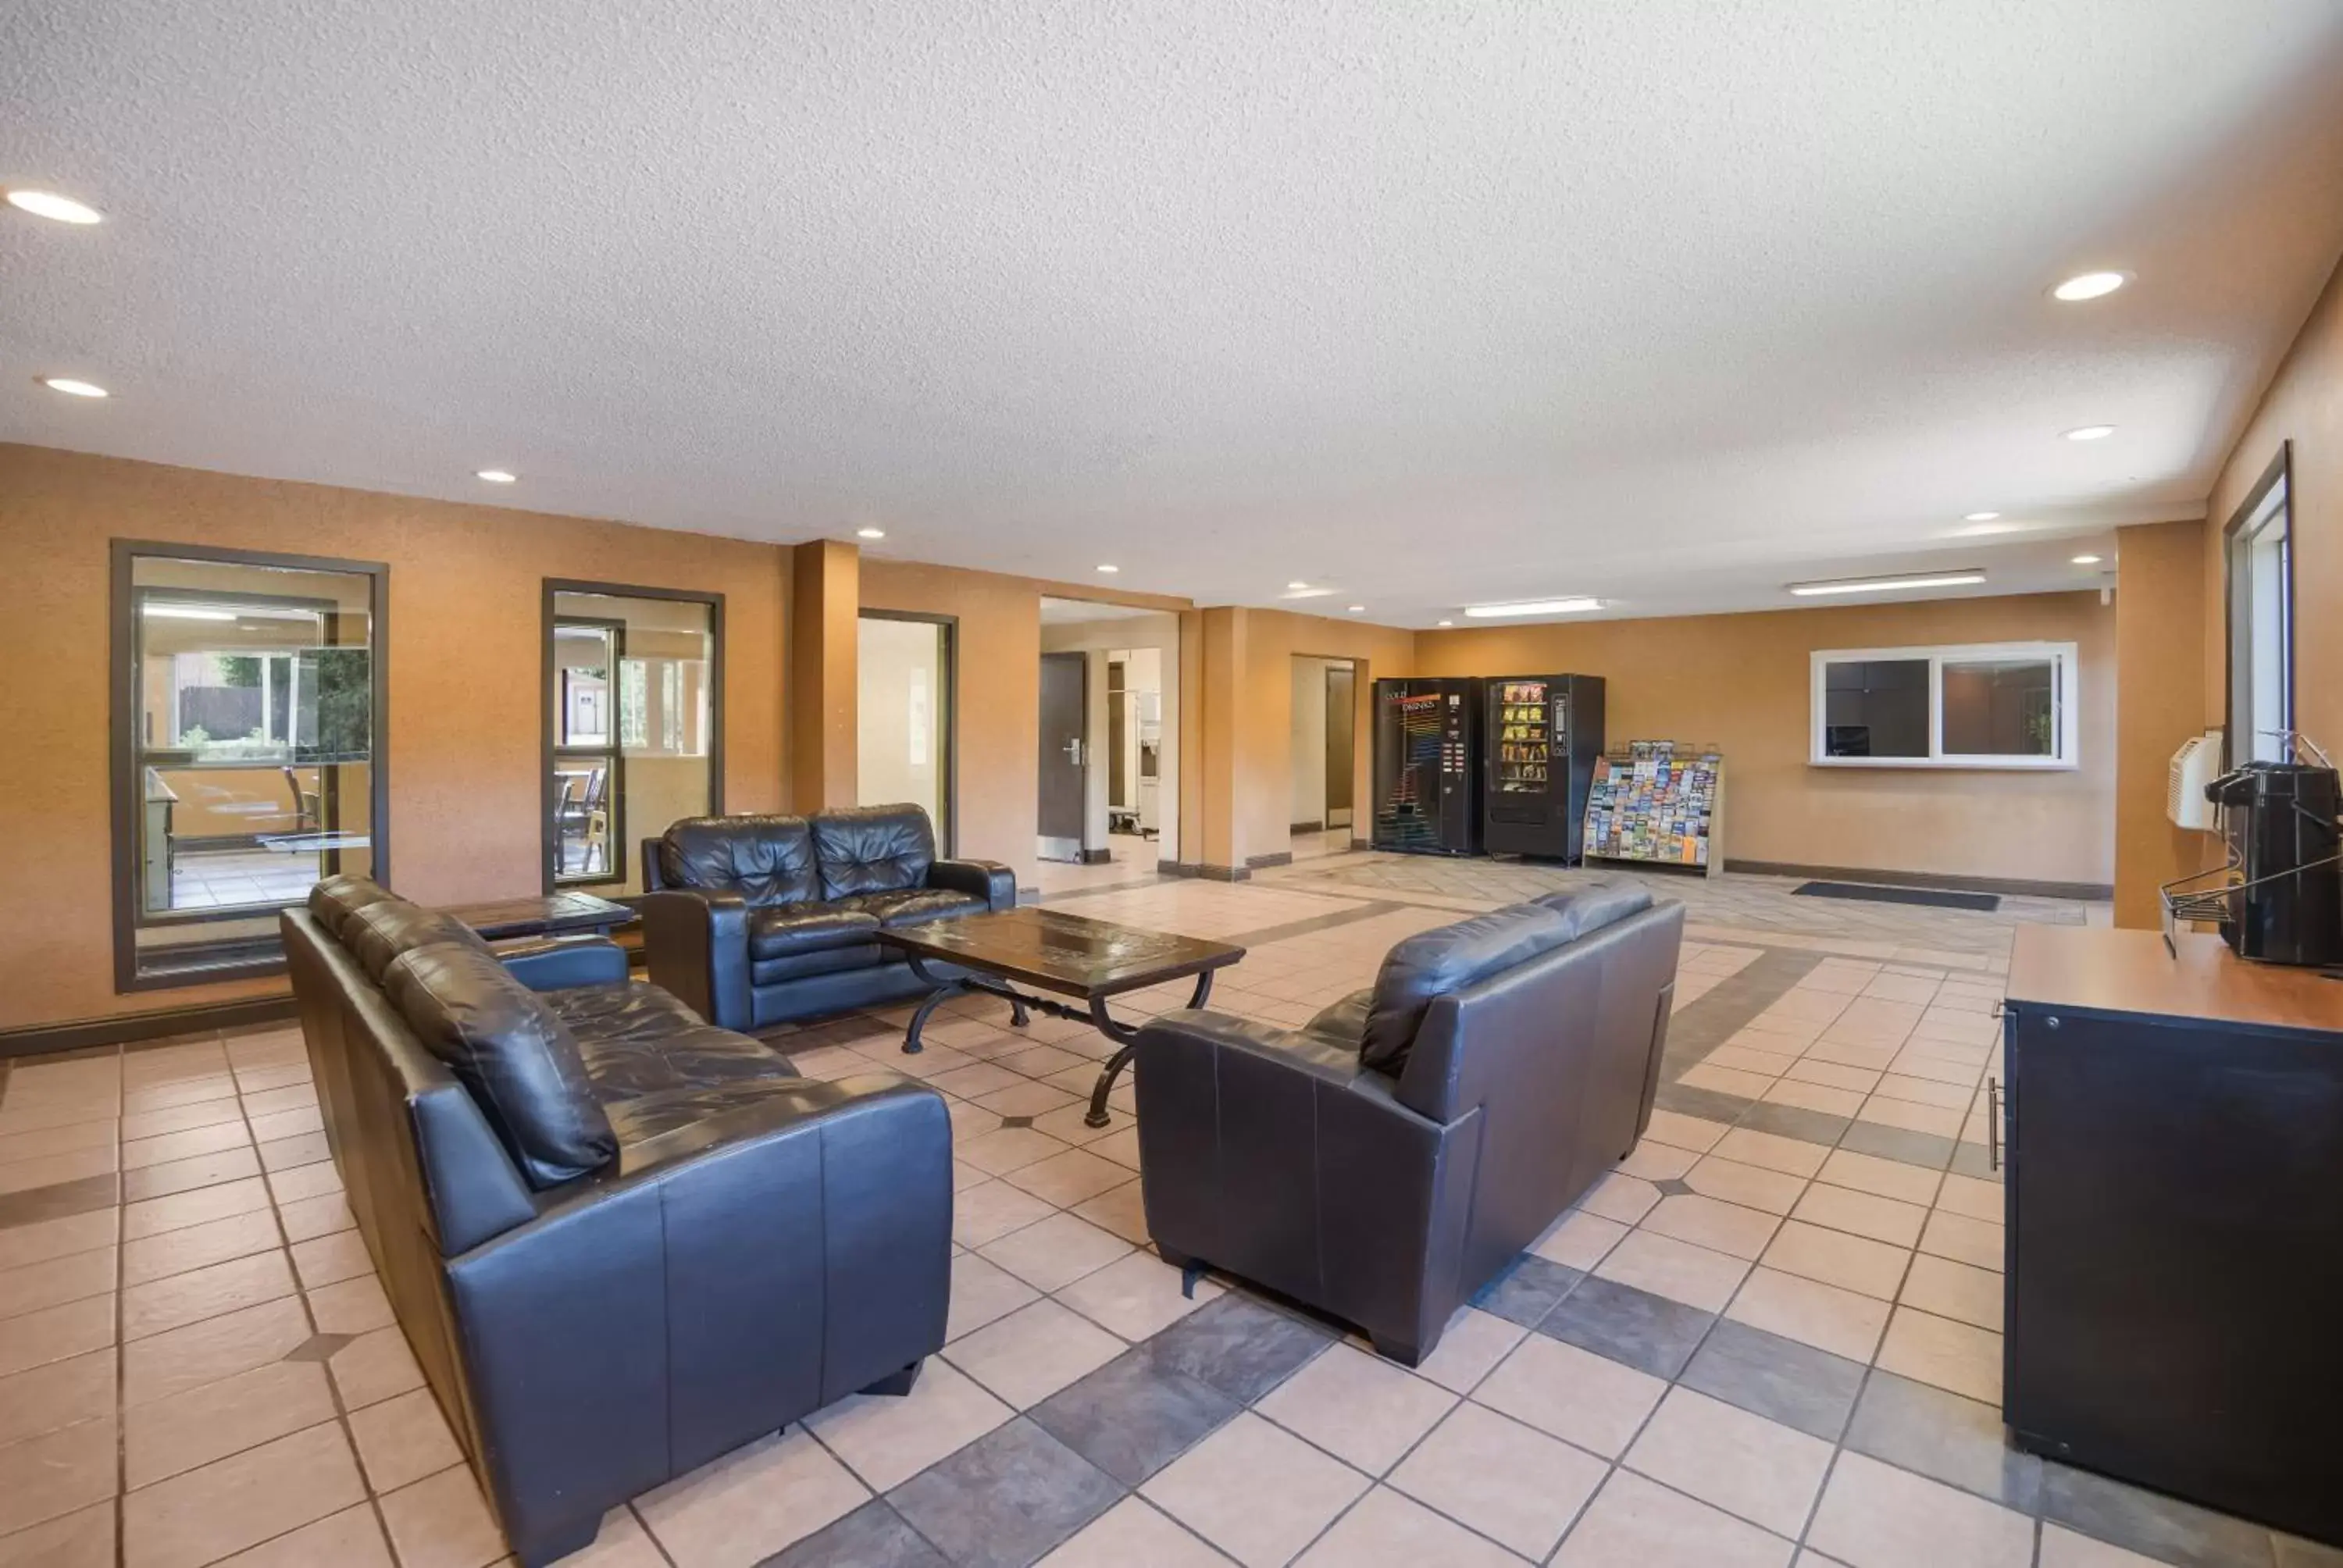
(620, 1241)
(759, 921)
(1386, 1160)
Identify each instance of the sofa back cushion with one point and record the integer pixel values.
(873, 850)
(518, 1061)
(335, 899)
(1438, 962)
(766, 859)
(1591, 906)
(378, 932)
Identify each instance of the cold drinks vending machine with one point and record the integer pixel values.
(1545, 737)
(1428, 766)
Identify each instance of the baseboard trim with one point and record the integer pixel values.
(127, 1027)
(1358, 843)
(1097, 856)
(1305, 826)
(2013, 886)
(1263, 863)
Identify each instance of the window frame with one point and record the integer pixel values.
(124, 787)
(2237, 542)
(2064, 656)
(948, 829)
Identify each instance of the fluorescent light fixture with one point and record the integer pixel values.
(1532, 607)
(2090, 433)
(1358, 610)
(1446, 623)
(1962, 579)
(2089, 285)
(497, 476)
(2086, 561)
(73, 388)
(185, 612)
(1297, 588)
(1110, 569)
(50, 204)
(1979, 517)
(869, 533)
(1308, 593)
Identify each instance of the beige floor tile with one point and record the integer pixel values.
(54, 1334)
(75, 1277)
(1358, 1407)
(1791, 1156)
(198, 1246)
(2064, 1548)
(1386, 1530)
(1068, 1179)
(1861, 1214)
(1951, 1355)
(1979, 1243)
(350, 1539)
(374, 1367)
(1121, 1210)
(1636, 1524)
(190, 1430)
(887, 1440)
(1831, 1075)
(351, 1306)
(207, 1352)
(1923, 1089)
(57, 1473)
(1972, 1199)
(206, 1292)
(1937, 1120)
(1026, 1100)
(1259, 1494)
(1474, 1343)
(241, 1501)
(58, 1393)
(403, 1439)
(139, 1153)
(80, 1539)
(1846, 1053)
(1009, 1149)
(303, 1182)
(1750, 1186)
(1621, 1199)
(1134, 1533)
(1753, 1468)
(1708, 1222)
(323, 1215)
(1658, 1162)
(1137, 1295)
(1692, 1132)
(48, 1170)
(982, 1291)
(1573, 1394)
(1881, 1178)
(1033, 1353)
(1726, 1081)
(1825, 1316)
(991, 1210)
(1954, 1290)
(1748, 1054)
(1515, 1485)
(1873, 1515)
(1815, 1097)
(1579, 1239)
(329, 1260)
(1055, 1252)
(1659, 1263)
(977, 1078)
(188, 1175)
(65, 1138)
(44, 1239)
(444, 1522)
(1066, 1123)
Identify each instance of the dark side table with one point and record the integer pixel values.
(543, 915)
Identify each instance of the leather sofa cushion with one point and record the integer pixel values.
(785, 931)
(519, 1060)
(378, 932)
(912, 907)
(873, 850)
(1591, 906)
(1342, 1024)
(648, 1116)
(335, 899)
(828, 961)
(1436, 962)
(766, 859)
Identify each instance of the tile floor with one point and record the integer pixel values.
(1771, 1337)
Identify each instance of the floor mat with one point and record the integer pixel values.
(1873, 893)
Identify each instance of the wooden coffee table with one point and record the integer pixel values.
(1073, 955)
(543, 915)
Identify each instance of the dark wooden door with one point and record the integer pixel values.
(1065, 746)
(1341, 745)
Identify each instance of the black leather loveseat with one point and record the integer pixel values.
(758, 920)
(1389, 1158)
(621, 1241)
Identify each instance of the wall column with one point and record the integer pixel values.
(1219, 701)
(825, 613)
(2159, 703)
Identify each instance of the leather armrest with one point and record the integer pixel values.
(653, 883)
(697, 940)
(1282, 1048)
(558, 963)
(991, 880)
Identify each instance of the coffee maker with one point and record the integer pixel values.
(2281, 824)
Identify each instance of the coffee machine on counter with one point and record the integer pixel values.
(2282, 898)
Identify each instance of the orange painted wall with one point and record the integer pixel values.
(1263, 728)
(464, 661)
(2159, 611)
(1742, 682)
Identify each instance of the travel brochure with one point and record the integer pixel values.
(1654, 803)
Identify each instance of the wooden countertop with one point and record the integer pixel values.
(2110, 971)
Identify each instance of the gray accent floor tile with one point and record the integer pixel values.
(1133, 1416)
(1646, 1332)
(2149, 1523)
(1709, 1104)
(1797, 1122)
(1922, 1149)
(1974, 1160)
(1671, 1187)
(1314, 923)
(1956, 1440)
(1779, 1379)
(1006, 1499)
(873, 1536)
(1528, 1289)
(1238, 1347)
(59, 1199)
(317, 1347)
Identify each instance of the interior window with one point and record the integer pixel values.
(2260, 550)
(2004, 705)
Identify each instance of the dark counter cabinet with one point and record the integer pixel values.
(2173, 1154)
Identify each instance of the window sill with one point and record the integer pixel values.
(1951, 764)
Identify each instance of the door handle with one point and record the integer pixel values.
(1993, 1124)
(1074, 751)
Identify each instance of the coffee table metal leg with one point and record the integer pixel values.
(1113, 1029)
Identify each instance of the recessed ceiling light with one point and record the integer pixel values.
(2089, 285)
(1358, 610)
(2086, 561)
(1887, 585)
(1979, 517)
(49, 205)
(2090, 433)
(1532, 607)
(497, 476)
(1297, 586)
(869, 533)
(1108, 569)
(73, 388)
(1447, 623)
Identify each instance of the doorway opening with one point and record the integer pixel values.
(1325, 755)
(1109, 788)
(906, 704)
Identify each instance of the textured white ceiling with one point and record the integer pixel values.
(1667, 301)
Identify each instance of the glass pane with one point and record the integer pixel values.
(1876, 707)
(253, 746)
(902, 676)
(2001, 707)
(630, 710)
